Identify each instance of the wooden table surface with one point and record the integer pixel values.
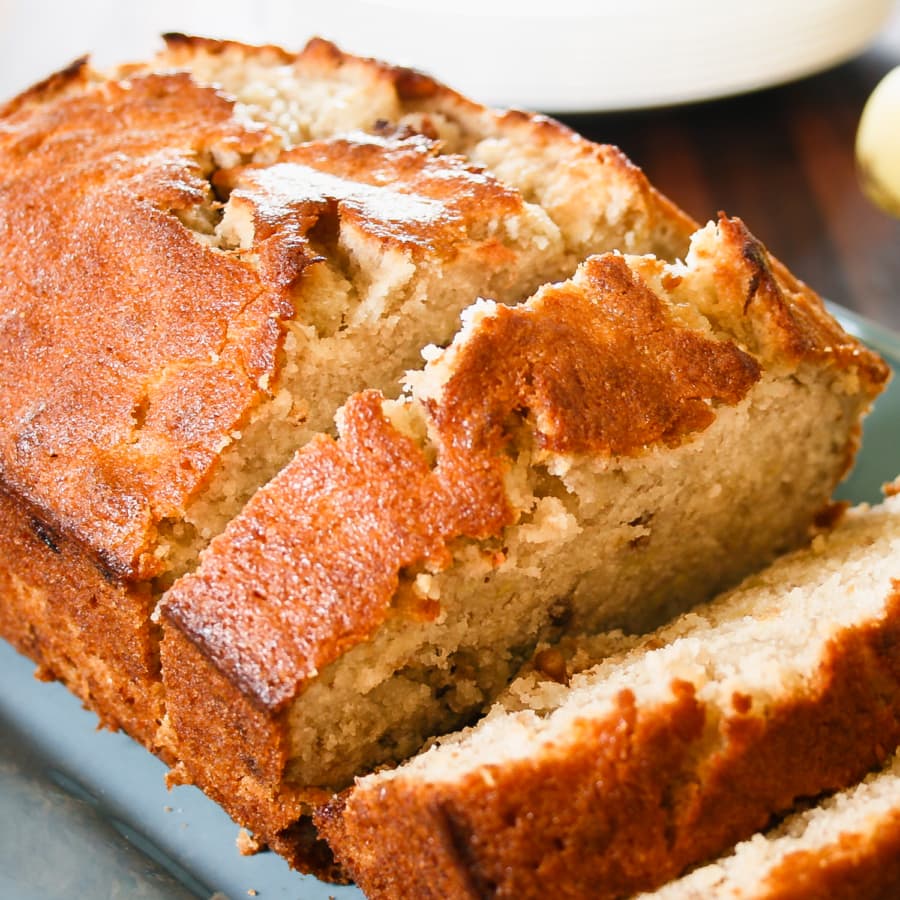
(782, 160)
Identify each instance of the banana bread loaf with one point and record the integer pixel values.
(621, 445)
(195, 282)
(208, 253)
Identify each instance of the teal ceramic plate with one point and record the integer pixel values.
(879, 457)
(85, 814)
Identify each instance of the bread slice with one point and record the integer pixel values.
(844, 848)
(664, 754)
(621, 445)
(190, 294)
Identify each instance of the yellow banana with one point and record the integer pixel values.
(878, 144)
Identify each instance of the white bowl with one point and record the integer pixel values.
(561, 55)
(579, 56)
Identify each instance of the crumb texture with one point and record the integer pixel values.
(346, 518)
(669, 751)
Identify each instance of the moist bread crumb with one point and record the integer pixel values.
(246, 843)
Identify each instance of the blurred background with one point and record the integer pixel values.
(564, 56)
(747, 107)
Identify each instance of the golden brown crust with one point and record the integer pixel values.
(272, 613)
(420, 92)
(780, 315)
(599, 364)
(74, 75)
(630, 800)
(856, 866)
(78, 622)
(244, 774)
(177, 42)
(130, 350)
(311, 566)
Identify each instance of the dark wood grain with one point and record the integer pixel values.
(783, 160)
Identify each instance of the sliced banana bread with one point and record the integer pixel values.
(846, 847)
(206, 254)
(604, 781)
(193, 285)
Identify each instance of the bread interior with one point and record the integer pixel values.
(764, 640)
(600, 543)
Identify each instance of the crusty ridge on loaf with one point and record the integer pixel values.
(600, 455)
(664, 754)
(846, 847)
(197, 281)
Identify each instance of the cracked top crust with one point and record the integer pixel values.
(134, 348)
(396, 191)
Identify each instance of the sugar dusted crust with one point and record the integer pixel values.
(418, 101)
(430, 199)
